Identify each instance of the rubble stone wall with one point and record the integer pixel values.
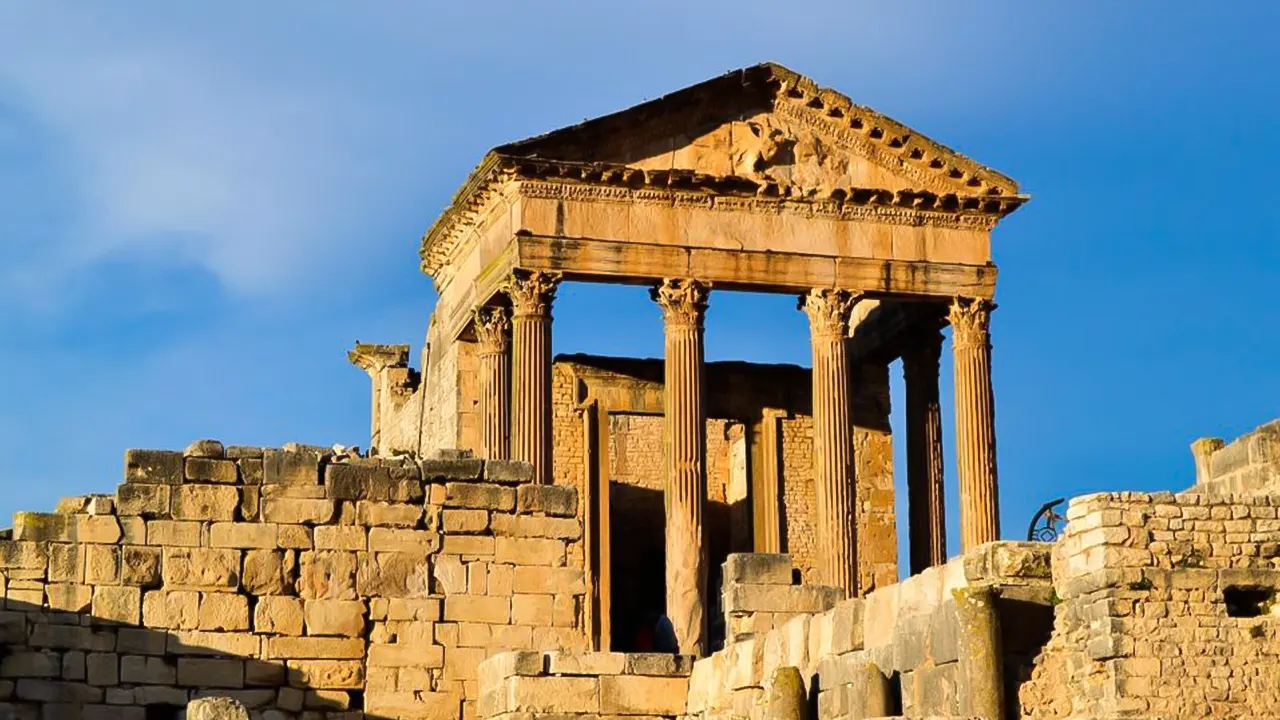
(1167, 609)
(908, 637)
(296, 581)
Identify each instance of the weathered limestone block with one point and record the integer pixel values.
(318, 648)
(204, 502)
(198, 469)
(758, 568)
(531, 609)
(143, 670)
(465, 521)
(548, 580)
(335, 617)
(393, 574)
(298, 511)
(103, 529)
(117, 604)
(480, 496)
(175, 609)
(295, 537)
(555, 500)
(268, 572)
(846, 626)
(416, 705)
(408, 655)
(102, 564)
(383, 539)
(341, 537)
(243, 535)
(281, 467)
(531, 526)
(224, 611)
(216, 708)
(211, 672)
(787, 699)
(278, 615)
(66, 562)
(157, 467)
(780, 598)
(508, 472)
(438, 469)
(477, 608)
(359, 481)
(179, 533)
(207, 569)
(149, 501)
(470, 547)
(529, 551)
(328, 574)
(579, 695)
(326, 674)
(40, 527)
(388, 514)
(140, 565)
(69, 598)
(205, 448)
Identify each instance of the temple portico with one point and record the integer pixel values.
(758, 181)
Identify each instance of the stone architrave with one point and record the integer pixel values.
(975, 422)
(493, 330)
(835, 492)
(684, 305)
(531, 296)
(925, 498)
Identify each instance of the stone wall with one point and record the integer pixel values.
(586, 685)
(299, 582)
(1167, 609)
(913, 638)
(1250, 464)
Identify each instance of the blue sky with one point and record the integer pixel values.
(203, 205)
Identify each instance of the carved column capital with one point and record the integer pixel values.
(683, 301)
(493, 329)
(971, 322)
(828, 310)
(531, 292)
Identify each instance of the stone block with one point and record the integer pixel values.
(177, 533)
(641, 695)
(175, 609)
(529, 551)
(102, 529)
(69, 598)
(554, 500)
(155, 467)
(208, 569)
(415, 705)
(143, 670)
(117, 604)
(358, 480)
(150, 501)
(578, 695)
(531, 609)
(465, 521)
(243, 535)
(300, 467)
(477, 608)
(66, 562)
(30, 664)
(298, 511)
(278, 615)
(335, 617)
(382, 539)
(443, 469)
(317, 648)
(23, 555)
(204, 502)
(205, 448)
(41, 527)
(658, 664)
(533, 526)
(479, 496)
(341, 537)
(102, 565)
(468, 546)
(406, 655)
(211, 470)
(295, 537)
(846, 626)
(328, 574)
(326, 674)
(225, 612)
(508, 472)
(268, 572)
(140, 565)
(758, 568)
(388, 514)
(547, 580)
(393, 574)
(944, 633)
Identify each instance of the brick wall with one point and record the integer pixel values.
(299, 582)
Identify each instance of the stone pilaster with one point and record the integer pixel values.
(975, 422)
(684, 304)
(531, 296)
(925, 499)
(493, 330)
(835, 493)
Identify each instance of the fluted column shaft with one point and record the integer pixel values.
(684, 304)
(493, 330)
(925, 499)
(975, 422)
(835, 492)
(531, 296)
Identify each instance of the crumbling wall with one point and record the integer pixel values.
(1167, 609)
(910, 637)
(294, 580)
(1248, 465)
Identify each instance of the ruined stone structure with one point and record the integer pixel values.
(752, 506)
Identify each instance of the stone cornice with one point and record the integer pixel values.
(558, 179)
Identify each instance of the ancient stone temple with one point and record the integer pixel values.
(588, 538)
(757, 181)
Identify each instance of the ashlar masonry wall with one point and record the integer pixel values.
(304, 584)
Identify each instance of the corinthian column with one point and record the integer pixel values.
(684, 303)
(493, 330)
(531, 295)
(975, 422)
(835, 493)
(925, 502)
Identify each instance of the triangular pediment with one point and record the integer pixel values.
(770, 125)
